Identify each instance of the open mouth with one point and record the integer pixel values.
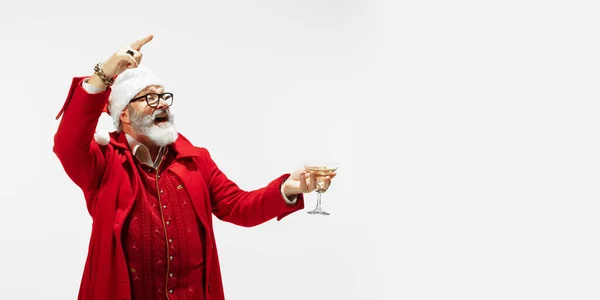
(161, 119)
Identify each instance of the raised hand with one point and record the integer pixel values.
(124, 58)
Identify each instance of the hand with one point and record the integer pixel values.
(301, 181)
(121, 61)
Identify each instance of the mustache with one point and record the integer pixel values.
(161, 113)
(140, 120)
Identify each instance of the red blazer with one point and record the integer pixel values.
(110, 183)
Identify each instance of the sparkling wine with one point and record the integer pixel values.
(321, 172)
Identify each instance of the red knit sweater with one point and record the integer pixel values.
(162, 239)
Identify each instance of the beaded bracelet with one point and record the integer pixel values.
(108, 81)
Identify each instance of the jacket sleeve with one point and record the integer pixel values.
(247, 208)
(74, 144)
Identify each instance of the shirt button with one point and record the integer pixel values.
(158, 176)
(171, 257)
(168, 223)
(170, 241)
(171, 275)
(162, 192)
(170, 291)
(164, 207)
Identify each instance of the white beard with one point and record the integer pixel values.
(161, 134)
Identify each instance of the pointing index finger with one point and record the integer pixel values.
(137, 45)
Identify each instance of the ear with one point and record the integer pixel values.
(124, 117)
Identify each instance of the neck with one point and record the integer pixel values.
(153, 150)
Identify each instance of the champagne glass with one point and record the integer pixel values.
(321, 169)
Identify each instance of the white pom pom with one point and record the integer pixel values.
(102, 138)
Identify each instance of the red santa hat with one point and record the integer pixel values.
(126, 86)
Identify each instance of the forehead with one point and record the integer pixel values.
(152, 89)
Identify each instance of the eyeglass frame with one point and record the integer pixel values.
(157, 103)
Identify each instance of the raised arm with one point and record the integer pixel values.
(74, 145)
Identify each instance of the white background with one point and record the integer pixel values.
(467, 132)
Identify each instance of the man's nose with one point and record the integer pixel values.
(162, 104)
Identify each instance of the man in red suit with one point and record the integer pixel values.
(150, 192)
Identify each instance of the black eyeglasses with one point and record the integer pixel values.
(153, 99)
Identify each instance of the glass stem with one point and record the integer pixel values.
(318, 199)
